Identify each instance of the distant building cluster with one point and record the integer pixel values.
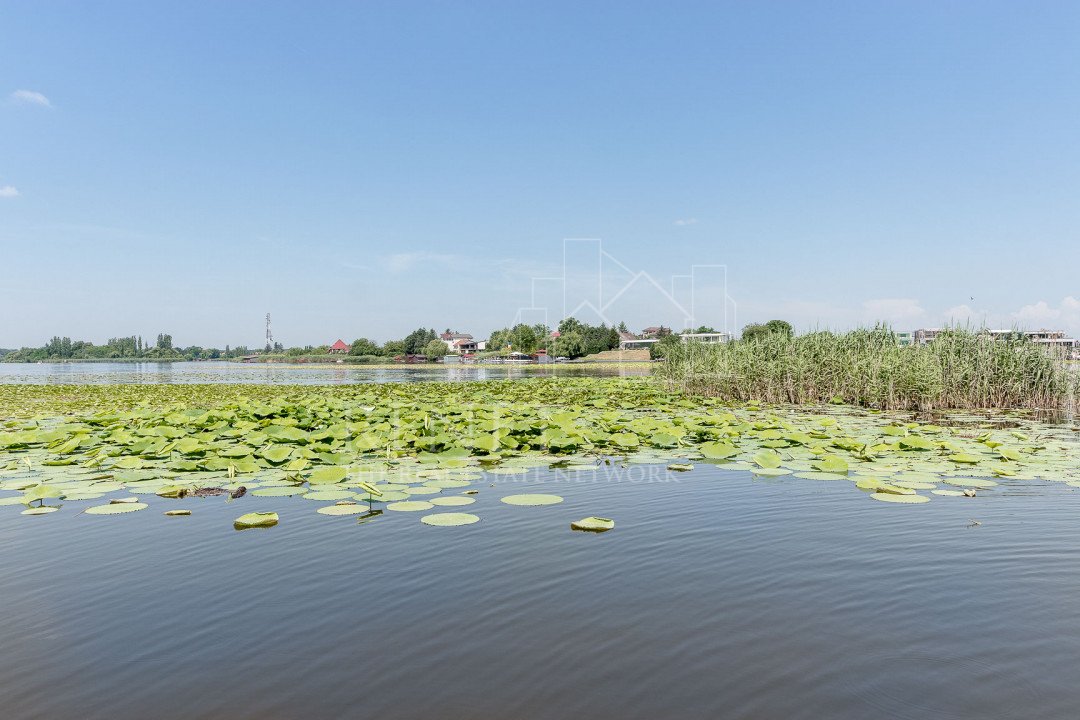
(1053, 338)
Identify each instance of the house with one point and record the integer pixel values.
(451, 339)
(463, 346)
(654, 332)
(1049, 338)
(338, 348)
(629, 342)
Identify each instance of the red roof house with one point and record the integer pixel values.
(339, 348)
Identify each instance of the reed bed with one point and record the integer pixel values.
(960, 369)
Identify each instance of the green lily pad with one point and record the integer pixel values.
(593, 524)
(409, 506)
(452, 500)
(449, 519)
(532, 499)
(255, 520)
(355, 509)
(890, 497)
(43, 510)
(115, 508)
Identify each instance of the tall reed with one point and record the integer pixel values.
(960, 369)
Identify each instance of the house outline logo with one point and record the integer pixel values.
(600, 306)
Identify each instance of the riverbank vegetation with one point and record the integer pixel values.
(421, 441)
(960, 369)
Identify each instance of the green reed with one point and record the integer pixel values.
(960, 369)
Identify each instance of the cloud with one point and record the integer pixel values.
(960, 314)
(893, 310)
(8, 191)
(1065, 315)
(403, 262)
(683, 222)
(29, 97)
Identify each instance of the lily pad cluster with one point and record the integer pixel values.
(406, 445)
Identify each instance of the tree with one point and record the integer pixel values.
(757, 331)
(363, 346)
(417, 340)
(754, 332)
(435, 349)
(569, 344)
(662, 348)
(780, 327)
(393, 348)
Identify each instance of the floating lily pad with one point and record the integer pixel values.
(177, 513)
(449, 519)
(255, 520)
(771, 472)
(532, 499)
(593, 524)
(43, 510)
(115, 508)
(355, 509)
(409, 506)
(970, 482)
(948, 493)
(890, 497)
(451, 500)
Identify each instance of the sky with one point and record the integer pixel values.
(360, 169)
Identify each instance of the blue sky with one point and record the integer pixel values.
(363, 168)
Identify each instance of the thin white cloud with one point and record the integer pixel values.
(1063, 316)
(683, 222)
(8, 191)
(893, 311)
(29, 97)
(403, 262)
(959, 315)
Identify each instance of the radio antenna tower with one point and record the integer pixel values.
(269, 334)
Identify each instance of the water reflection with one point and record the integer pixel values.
(272, 374)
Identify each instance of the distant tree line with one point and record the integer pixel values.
(122, 348)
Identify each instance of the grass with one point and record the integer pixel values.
(961, 369)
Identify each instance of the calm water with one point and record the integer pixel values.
(272, 374)
(716, 596)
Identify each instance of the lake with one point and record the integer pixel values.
(718, 594)
(279, 374)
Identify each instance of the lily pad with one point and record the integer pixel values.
(890, 497)
(449, 519)
(532, 499)
(255, 520)
(355, 509)
(452, 500)
(115, 508)
(409, 506)
(43, 510)
(593, 524)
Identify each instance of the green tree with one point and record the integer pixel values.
(363, 346)
(393, 348)
(757, 331)
(435, 349)
(661, 348)
(417, 340)
(780, 327)
(569, 344)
